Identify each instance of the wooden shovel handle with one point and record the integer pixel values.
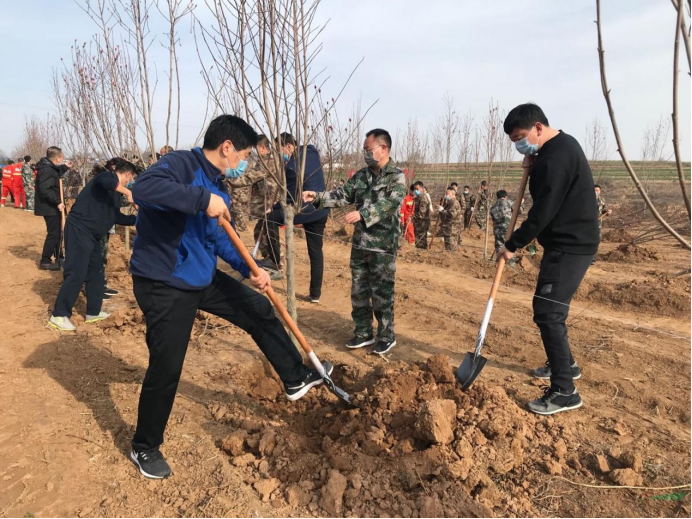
(512, 223)
(240, 248)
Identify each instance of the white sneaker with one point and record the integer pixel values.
(95, 318)
(314, 301)
(62, 323)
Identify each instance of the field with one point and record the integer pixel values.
(416, 446)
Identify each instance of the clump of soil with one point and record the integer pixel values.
(665, 296)
(630, 253)
(617, 236)
(414, 445)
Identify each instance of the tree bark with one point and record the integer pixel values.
(289, 212)
(676, 132)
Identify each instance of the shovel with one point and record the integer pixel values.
(474, 362)
(235, 240)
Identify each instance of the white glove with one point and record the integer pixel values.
(440, 208)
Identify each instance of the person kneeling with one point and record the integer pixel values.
(95, 211)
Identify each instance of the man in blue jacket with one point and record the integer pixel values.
(313, 220)
(174, 274)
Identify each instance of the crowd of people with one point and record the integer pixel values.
(235, 175)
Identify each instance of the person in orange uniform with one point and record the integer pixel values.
(7, 183)
(18, 192)
(407, 208)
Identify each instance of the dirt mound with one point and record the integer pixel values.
(665, 296)
(415, 445)
(617, 236)
(630, 253)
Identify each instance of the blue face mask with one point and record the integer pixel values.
(238, 170)
(130, 184)
(286, 157)
(447, 197)
(417, 192)
(524, 147)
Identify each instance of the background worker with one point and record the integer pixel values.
(19, 193)
(470, 201)
(501, 215)
(450, 220)
(29, 181)
(407, 209)
(421, 214)
(7, 183)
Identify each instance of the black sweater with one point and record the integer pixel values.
(97, 207)
(564, 215)
(48, 187)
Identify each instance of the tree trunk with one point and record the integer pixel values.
(487, 227)
(676, 133)
(289, 212)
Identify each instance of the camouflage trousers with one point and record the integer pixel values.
(104, 254)
(420, 230)
(239, 212)
(451, 241)
(372, 291)
(264, 244)
(500, 233)
(481, 216)
(467, 217)
(30, 195)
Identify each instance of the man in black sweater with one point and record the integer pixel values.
(564, 220)
(95, 211)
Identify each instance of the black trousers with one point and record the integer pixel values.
(558, 279)
(83, 264)
(314, 236)
(170, 313)
(51, 246)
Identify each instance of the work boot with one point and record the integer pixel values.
(49, 266)
(359, 342)
(553, 401)
(151, 463)
(296, 391)
(384, 345)
(544, 372)
(62, 323)
(88, 319)
(111, 291)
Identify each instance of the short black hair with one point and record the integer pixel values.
(501, 193)
(53, 152)
(27, 158)
(262, 140)
(112, 164)
(412, 187)
(597, 186)
(467, 186)
(229, 128)
(484, 182)
(381, 135)
(454, 184)
(286, 138)
(450, 188)
(10, 162)
(123, 166)
(524, 117)
(418, 183)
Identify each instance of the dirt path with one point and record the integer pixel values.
(69, 401)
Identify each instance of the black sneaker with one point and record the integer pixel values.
(111, 292)
(553, 402)
(296, 391)
(383, 346)
(544, 372)
(151, 463)
(359, 342)
(49, 266)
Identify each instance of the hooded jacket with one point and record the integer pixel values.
(48, 187)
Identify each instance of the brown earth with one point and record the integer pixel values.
(415, 445)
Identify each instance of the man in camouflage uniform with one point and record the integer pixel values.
(29, 183)
(240, 198)
(469, 203)
(501, 215)
(482, 209)
(462, 206)
(451, 220)
(602, 207)
(377, 192)
(422, 207)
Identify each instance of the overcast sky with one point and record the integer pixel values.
(512, 51)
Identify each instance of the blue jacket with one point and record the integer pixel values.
(313, 180)
(176, 242)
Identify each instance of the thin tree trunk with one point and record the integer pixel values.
(289, 212)
(621, 151)
(676, 133)
(683, 30)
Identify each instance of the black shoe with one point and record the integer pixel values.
(49, 266)
(111, 292)
(151, 463)
(106, 296)
(553, 402)
(359, 342)
(383, 346)
(544, 372)
(296, 391)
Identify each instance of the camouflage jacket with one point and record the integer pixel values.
(421, 207)
(378, 199)
(28, 176)
(462, 201)
(260, 183)
(602, 206)
(451, 217)
(483, 199)
(501, 213)
(469, 199)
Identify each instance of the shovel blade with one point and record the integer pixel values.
(470, 369)
(343, 395)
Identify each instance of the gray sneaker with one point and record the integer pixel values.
(61, 323)
(544, 372)
(553, 402)
(88, 319)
